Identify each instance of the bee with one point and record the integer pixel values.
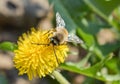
(61, 35)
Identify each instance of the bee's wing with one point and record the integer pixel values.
(74, 39)
(59, 21)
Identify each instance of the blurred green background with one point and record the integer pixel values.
(96, 22)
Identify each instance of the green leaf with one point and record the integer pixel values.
(103, 7)
(88, 38)
(8, 46)
(90, 72)
(113, 65)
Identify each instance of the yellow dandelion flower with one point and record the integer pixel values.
(36, 59)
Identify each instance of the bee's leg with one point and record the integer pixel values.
(64, 43)
(55, 55)
(49, 32)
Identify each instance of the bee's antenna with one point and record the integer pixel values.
(55, 55)
(39, 44)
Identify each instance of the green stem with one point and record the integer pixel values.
(60, 78)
